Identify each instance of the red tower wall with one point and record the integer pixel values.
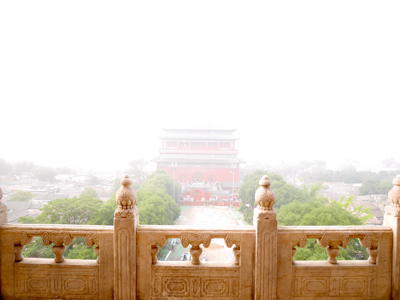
(205, 163)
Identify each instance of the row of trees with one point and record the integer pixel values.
(155, 202)
(372, 182)
(40, 172)
(377, 186)
(21, 196)
(305, 206)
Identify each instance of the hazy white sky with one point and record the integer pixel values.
(91, 83)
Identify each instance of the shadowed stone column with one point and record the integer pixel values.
(392, 218)
(266, 242)
(125, 224)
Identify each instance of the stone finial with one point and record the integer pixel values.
(125, 198)
(394, 193)
(264, 197)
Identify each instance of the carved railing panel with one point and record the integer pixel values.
(341, 279)
(33, 276)
(54, 237)
(168, 279)
(263, 265)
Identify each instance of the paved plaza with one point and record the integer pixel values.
(210, 216)
(215, 216)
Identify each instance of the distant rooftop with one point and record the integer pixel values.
(206, 134)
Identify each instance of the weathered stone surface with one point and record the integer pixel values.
(125, 224)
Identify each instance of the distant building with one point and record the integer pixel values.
(204, 162)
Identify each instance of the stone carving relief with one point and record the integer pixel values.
(195, 240)
(339, 287)
(195, 286)
(298, 242)
(22, 240)
(56, 282)
(332, 242)
(126, 200)
(232, 241)
(155, 247)
(92, 240)
(59, 241)
(264, 197)
(371, 243)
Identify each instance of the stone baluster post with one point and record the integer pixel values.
(266, 242)
(125, 224)
(392, 218)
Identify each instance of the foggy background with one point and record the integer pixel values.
(90, 84)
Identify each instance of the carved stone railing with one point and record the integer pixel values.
(191, 279)
(262, 268)
(360, 279)
(59, 277)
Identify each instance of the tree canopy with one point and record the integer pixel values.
(377, 186)
(77, 210)
(156, 207)
(154, 201)
(157, 198)
(23, 196)
(161, 180)
(284, 192)
(304, 206)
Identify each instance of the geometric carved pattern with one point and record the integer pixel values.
(195, 287)
(188, 283)
(346, 286)
(338, 286)
(48, 281)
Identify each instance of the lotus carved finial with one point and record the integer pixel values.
(394, 193)
(264, 197)
(125, 198)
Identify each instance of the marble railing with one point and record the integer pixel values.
(33, 278)
(194, 279)
(335, 279)
(262, 264)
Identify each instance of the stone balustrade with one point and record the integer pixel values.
(262, 268)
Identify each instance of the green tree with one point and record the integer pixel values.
(320, 211)
(37, 249)
(85, 209)
(89, 193)
(105, 213)
(23, 196)
(284, 192)
(371, 186)
(156, 206)
(161, 180)
(77, 250)
(77, 210)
